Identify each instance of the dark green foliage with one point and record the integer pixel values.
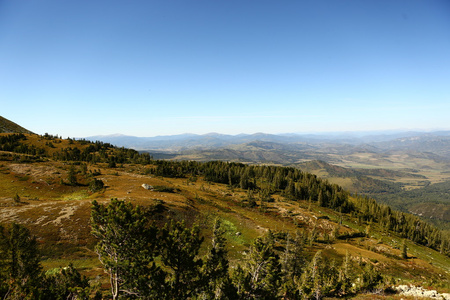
(21, 261)
(179, 251)
(102, 152)
(346, 276)
(370, 279)
(215, 279)
(126, 246)
(96, 185)
(274, 268)
(404, 250)
(293, 262)
(164, 189)
(260, 278)
(112, 162)
(407, 225)
(71, 176)
(13, 143)
(16, 198)
(4, 262)
(21, 275)
(319, 279)
(66, 284)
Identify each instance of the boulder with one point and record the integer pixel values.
(147, 186)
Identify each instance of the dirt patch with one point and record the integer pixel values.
(37, 171)
(65, 213)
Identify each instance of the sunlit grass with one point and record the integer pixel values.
(78, 195)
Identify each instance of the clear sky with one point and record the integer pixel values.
(88, 67)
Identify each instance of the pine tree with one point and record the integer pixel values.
(126, 247)
(96, 185)
(316, 267)
(345, 275)
(263, 270)
(179, 253)
(3, 263)
(404, 250)
(68, 283)
(292, 263)
(71, 176)
(216, 282)
(370, 278)
(319, 278)
(21, 261)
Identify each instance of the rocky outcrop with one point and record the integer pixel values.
(417, 291)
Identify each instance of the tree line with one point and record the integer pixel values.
(297, 185)
(91, 152)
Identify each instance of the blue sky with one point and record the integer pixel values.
(147, 68)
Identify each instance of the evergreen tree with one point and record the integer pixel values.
(96, 185)
(71, 176)
(126, 247)
(21, 274)
(179, 253)
(24, 266)
(292, 263)
(4, 274)
(404, 250)
(19, 262)
(66, 284)
(262, 271)
(346, 276)
(370, 278)
(216, 283)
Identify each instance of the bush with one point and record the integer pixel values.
(164, 189)
(96, 185)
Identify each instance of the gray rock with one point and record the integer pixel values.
(147, 186)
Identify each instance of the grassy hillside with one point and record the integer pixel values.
(7, 126)
(38, 192)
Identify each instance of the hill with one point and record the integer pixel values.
(48, 186)
(384, 166)
(7, 126)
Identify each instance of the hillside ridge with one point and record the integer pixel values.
(7, 126)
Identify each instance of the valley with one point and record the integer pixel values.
(51, 194)
(399, 169)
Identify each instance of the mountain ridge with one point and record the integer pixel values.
(7, 126)
(215, 140)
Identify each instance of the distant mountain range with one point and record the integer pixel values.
(437, 143)
(214, 140)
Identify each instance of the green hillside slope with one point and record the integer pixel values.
(7, 126)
